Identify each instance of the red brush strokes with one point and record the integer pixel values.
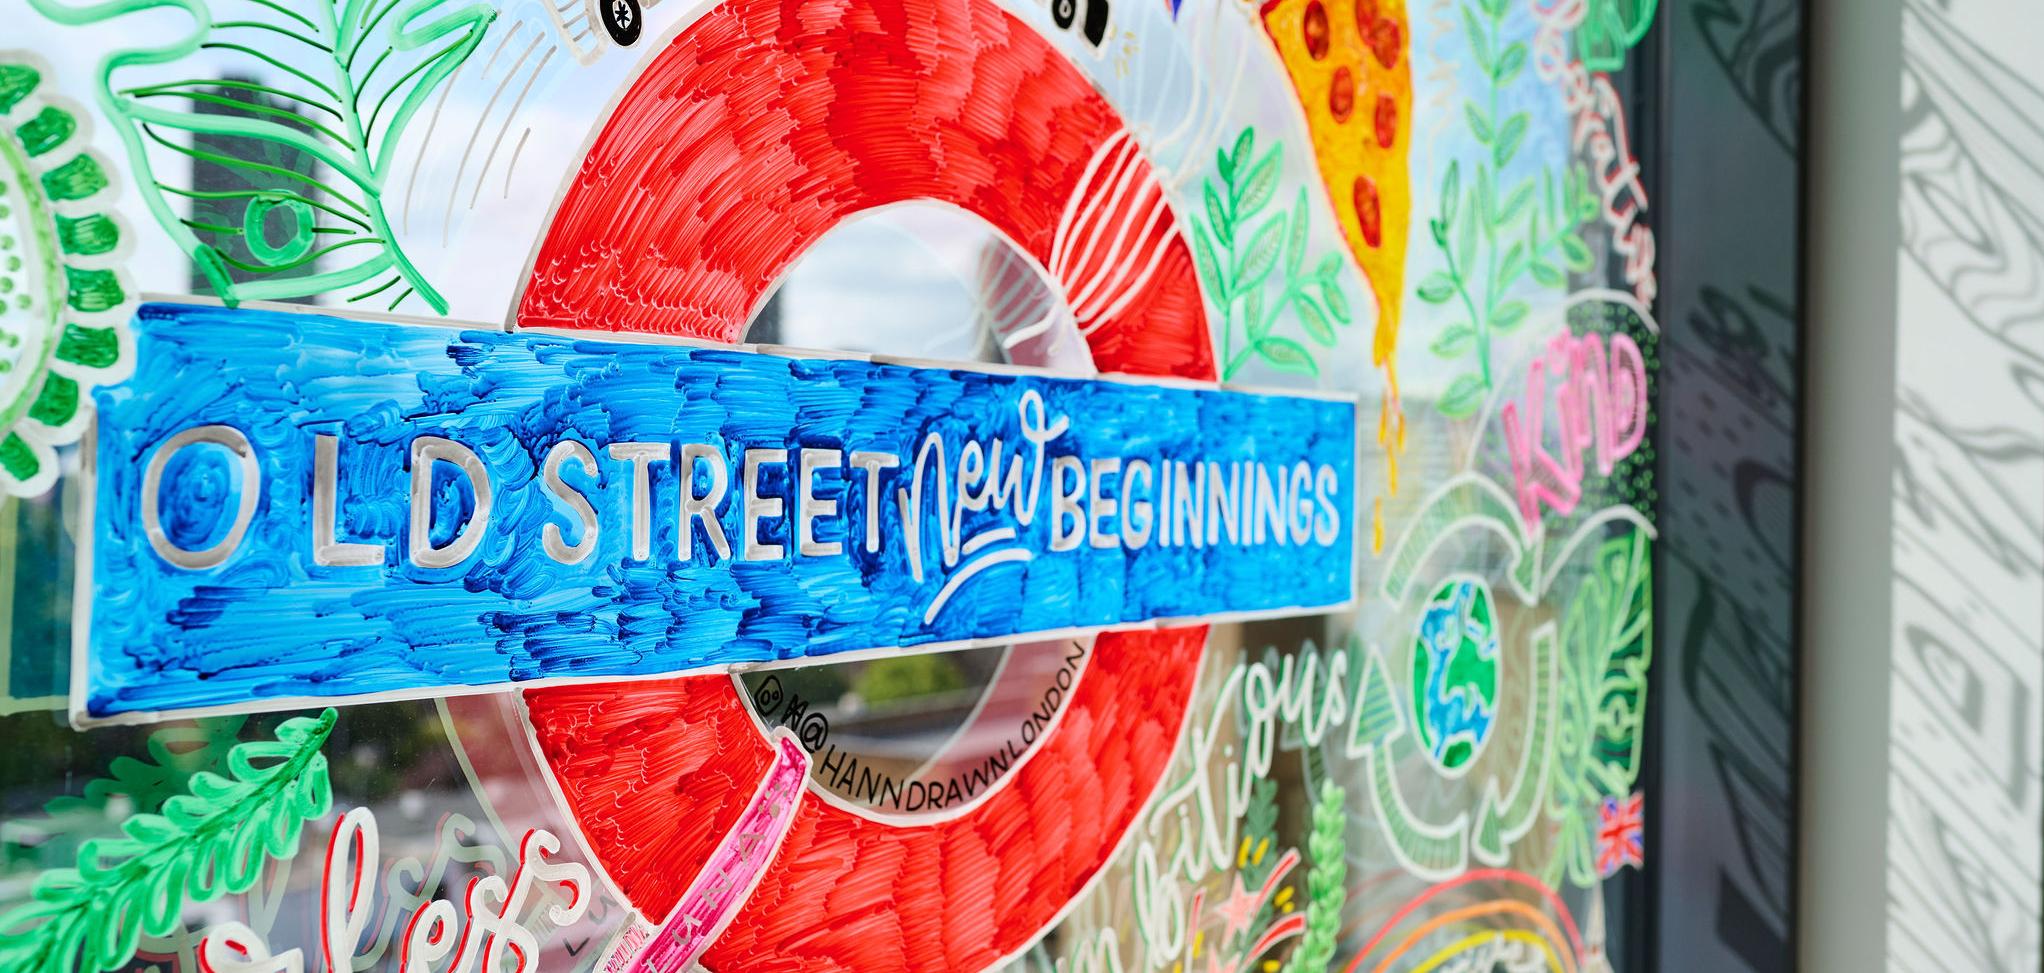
(766, 123)
(759, 128)
(658, 771)
(1279, 931)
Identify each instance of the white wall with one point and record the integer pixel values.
(1924, 681)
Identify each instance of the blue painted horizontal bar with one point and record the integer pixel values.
(296, 506)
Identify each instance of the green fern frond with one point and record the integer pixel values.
(176, 754)
(211, 841)
(332, 87)
(1326, 883)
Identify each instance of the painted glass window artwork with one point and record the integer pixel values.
(870, 485)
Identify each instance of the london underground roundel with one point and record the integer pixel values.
(755, 131)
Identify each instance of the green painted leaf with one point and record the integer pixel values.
(1437, 288)
(1515, 203)
(1547, 274)
(1255, 324)
(1479, 123)
(1259, 186)
(1467, 237)
(1451, 192)
(1337, 302)
(1329, 267)
(1509, 315)
(1286, 355)
(211, 841)
(1463, 398)
(1510, 134)
(1217, 216)
(1577, 252)
(1479, 41)
(344, 79)
(1313, 321)
(1486, 199)
(1260, 255)
(1209, 269)
(1295, 238)
(1511, 62)
(1513, 264)
(1454, 342)
(1244, 144)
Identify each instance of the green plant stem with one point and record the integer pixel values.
(1476, 321)
(1234, 362)
(1490, 297)
(1228, 330)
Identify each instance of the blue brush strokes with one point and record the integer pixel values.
(270, 624)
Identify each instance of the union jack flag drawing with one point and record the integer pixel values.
(1621, 838)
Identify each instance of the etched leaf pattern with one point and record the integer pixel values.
(334, 81)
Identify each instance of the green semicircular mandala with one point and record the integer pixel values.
(64, 301)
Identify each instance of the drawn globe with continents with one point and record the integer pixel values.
(1455, 673)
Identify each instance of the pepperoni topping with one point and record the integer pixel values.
(1341, 94)
(1369, 211)
(1385, 41)
(1366, 18)
(1315, 29)
(1387, 121)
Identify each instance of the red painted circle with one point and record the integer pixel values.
(760, 127)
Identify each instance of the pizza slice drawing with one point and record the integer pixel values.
(1347, 63)
(1346, 60)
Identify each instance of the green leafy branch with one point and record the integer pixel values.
(175, 754)
(1600, 730)
(1239, 260)
(1326, 883)
(1258, 855)
(206, 843)
(332, 81)
(1492, 237)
